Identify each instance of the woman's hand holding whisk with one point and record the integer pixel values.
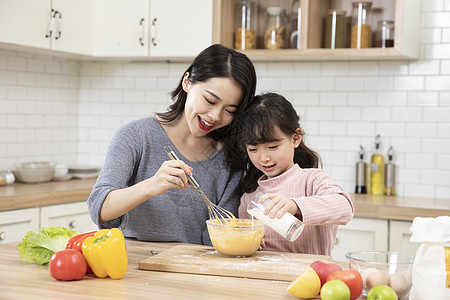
(171, 175)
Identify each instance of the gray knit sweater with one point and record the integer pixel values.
(136, 152)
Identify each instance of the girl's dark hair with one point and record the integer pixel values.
(258, 125)
(214, 62)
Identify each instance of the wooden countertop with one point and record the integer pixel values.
(24, 195)
(20, 195)
(399, 208)
(22, 280)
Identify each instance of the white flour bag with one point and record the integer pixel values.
(431, 269)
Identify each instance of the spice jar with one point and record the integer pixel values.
(296, 16)
(335, 29)
(275, 29)
(385, 34)
(361, 30)
(245, 25)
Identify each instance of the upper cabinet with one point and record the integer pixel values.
(164, 29)
(179, 27)
(60, 25)
(121, 28)
(313, 16)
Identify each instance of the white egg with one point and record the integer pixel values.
(398, 282)
(376, 278)
(366, 272)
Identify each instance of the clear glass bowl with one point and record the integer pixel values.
(383, 267)
(242, 239)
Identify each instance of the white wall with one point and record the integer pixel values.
(38, 108)
(342, 105)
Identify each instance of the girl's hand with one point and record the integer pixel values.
(278, 205)
(171, 175)
(263, 244)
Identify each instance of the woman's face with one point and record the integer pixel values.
(211, 105)
(275, 158)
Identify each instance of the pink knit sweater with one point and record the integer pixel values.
(324, 205)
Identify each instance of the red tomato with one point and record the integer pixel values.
(67, 264)
(352, 279)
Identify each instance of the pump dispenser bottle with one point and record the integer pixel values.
(377, 170)
(361, 174)
(389, 182)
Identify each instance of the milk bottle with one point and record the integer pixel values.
(288, 226)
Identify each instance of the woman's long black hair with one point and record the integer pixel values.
(217, 61)
(258, 125)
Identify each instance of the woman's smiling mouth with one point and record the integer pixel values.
(204, 125)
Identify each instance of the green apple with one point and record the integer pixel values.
(382, 292)
(335, 290)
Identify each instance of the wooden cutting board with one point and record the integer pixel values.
(198, 259)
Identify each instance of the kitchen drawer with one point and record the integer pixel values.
(71, 215)
(361, 234)
(399, 235)
(15, 224)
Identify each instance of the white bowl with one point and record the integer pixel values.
(34, 172)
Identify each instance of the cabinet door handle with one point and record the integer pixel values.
(154, 31)
(73, 224)
(2, 236)
(336, 242)
(51, 24)
(59, 24)
(141, 31)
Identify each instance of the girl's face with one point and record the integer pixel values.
(275, 158)
(210, 105)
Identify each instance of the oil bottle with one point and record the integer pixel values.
(361, 174)
(389, 182)
(377, 170)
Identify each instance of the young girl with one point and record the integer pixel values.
(146, 195)
(280, 166)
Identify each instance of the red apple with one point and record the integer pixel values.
(352, 279)
(324, 268)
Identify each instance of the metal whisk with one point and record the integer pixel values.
(215, 211)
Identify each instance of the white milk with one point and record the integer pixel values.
(288, 226)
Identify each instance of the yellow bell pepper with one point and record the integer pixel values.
(106, 253)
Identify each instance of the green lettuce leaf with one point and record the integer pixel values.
(39, 245)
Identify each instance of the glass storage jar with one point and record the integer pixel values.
(385, 34)
(275, 28)
(335, 29)
(361, 30)
(296, 17)
(245, 25)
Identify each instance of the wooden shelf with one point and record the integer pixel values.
(406, 14)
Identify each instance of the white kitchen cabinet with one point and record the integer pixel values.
(76, 24)
(399, 235)
(15, 224)
(121, 28)
(61, 25)
(25, 22)
(361, 234)
(180, 28)
(71, 215)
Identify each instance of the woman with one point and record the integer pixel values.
(142, 192)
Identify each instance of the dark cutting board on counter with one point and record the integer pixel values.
(198, 259)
